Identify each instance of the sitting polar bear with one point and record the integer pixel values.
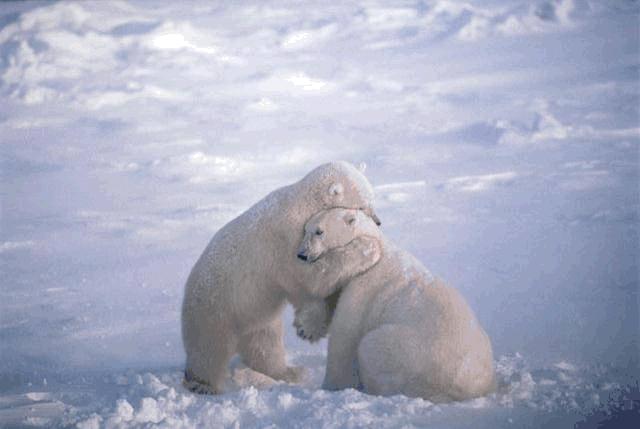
(396, 329)
(235, 294)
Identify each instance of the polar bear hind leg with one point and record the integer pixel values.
(391, 362)
(207, 362)
(263, 350)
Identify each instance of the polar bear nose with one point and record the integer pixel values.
(302, 256)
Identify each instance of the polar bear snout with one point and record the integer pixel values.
(308, 253)
(307, 256)
(303, 252)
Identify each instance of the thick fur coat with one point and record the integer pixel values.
(396, 329)
(236, 291)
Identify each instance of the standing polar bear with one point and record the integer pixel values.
(396, 329)
(236, 291)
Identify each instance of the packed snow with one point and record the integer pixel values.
(501, 139)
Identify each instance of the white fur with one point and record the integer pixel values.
(237, 289)
(396, 329)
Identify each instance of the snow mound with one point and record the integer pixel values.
(562, 392)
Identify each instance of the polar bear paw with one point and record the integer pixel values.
(196, 385)
(244, 377)
(363, 252)
(311, 321)
(295, 374)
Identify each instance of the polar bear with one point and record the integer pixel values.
(235, 293)
(397, 329)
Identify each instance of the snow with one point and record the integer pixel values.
(501, 139)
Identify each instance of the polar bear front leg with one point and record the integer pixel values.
(337, 266)
(342, 360)
(263, 350)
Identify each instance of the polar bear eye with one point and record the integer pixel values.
(319, 232)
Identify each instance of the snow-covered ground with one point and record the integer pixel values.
(502, 138)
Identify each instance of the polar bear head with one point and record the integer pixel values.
(340, 184)
(334, 228)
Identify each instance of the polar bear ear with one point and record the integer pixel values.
(350, 219)
(336, 190)
(362, 167)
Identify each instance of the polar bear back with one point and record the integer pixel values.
(400, 281)
(252, 259)
(447, 341)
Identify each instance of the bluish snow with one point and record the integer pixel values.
(501, 139)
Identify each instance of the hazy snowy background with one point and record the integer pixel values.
(502, 139)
